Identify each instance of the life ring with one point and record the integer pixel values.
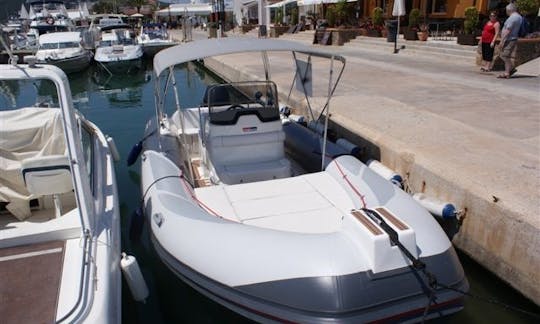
(50, 20)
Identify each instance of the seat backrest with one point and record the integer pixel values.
(247, 141)
(47, 175)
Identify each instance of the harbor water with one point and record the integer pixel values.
(120, 106)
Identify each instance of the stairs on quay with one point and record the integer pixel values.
(445, 50)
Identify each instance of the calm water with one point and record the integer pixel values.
(120, 106)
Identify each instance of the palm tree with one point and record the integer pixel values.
(138, 4)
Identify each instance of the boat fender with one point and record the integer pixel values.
(113, 149)
(134, 278)
(136, 225)
(348, 146)
(134, 153)
(137, 149)
(386, 172)
(438, 208)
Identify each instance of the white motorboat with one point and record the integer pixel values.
(59, 213)
(118, 49)
(232, 214)
(49, 16)
(64, 50)
(153, 38)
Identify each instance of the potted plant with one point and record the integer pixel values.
(468, 37)
(376, 22)
(410, 33)
(212, 29)
(423, 32)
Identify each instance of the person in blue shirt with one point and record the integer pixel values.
(509, 36)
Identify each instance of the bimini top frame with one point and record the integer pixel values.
(168, 58)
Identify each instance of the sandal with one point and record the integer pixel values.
(503, 76)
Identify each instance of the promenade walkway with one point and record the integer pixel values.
(462, 135)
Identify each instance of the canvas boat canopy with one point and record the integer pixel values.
(281, 4)
(182, 9)
(215, 47)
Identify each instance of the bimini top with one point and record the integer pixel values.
(214, 47)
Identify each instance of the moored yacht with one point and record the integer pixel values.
(59, 214)
(235, 210)
(153, 38)
(64, 50)
(49, 16)
(118, 49)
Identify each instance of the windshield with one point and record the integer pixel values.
(48, 46)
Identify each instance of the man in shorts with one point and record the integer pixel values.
(509, 38)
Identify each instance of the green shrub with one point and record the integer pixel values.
(278, 18)
(414, 18)
(377, 16)
(471, 20)
(331, 16)
(341, 11)
(294, 16)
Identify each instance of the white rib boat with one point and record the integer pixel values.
(234, 216)
(64, 50)
(59, 214)
(118, 49)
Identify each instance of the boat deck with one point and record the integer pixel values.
(30, 282)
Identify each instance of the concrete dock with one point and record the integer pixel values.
(453, 132)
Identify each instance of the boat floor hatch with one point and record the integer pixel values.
(311, 203)
(30, 282)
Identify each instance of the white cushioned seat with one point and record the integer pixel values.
(248, 151)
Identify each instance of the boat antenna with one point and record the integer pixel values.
(12, 58)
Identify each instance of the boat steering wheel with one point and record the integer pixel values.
(233, 107)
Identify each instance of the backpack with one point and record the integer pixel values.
(523, 28)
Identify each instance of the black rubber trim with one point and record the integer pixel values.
(230, 117)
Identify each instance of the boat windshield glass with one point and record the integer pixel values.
(226, 101)
(68, 44)
(48, 46)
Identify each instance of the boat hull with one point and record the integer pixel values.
(71, 65)
(249, 302)
(120, 66)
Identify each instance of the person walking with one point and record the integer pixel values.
(489, 35)
(509, 36)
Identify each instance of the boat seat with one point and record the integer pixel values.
(248, 151)
(48, 175)
(252, 172)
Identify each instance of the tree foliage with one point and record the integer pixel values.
(528, 7)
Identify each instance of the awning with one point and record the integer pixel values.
(316, 2)
(281, 4)
(183, 9)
